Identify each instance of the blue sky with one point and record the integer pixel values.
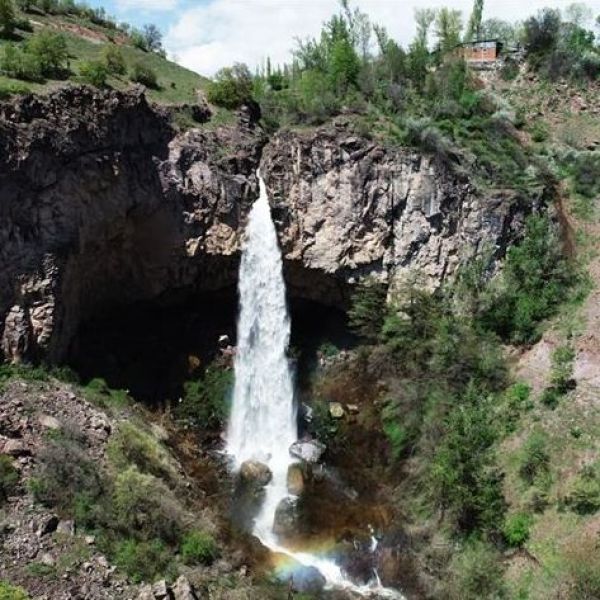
(205, 35)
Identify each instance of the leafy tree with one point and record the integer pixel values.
(113, 60)
(540, 33)
(501, 30)
(448, 25)
(424, 17)
(152, 37)
(367, 311)
(344, 66)
(231, 87)
(7, 17)
(50, 49)
(16, 63)
(474, 27)
(579, 14)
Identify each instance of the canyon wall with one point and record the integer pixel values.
(102, 203)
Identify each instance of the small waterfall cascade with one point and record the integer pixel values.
(263, 422)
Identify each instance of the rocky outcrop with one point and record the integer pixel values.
(349, 207)
(103, 203)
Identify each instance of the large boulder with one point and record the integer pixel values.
(309, 451)
(295, 480)
(287, 518)
(255, 473)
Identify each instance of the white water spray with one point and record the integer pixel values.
(263, 418)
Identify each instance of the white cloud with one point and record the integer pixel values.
(222, 32)
(147, 5)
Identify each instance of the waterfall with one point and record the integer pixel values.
(263, 425)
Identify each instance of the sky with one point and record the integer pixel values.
(205, 35)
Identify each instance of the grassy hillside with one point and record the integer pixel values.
(86, 42)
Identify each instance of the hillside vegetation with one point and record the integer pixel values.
(49, 43)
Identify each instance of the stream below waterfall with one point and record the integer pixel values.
(263, 423)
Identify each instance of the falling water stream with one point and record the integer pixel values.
(263, 419)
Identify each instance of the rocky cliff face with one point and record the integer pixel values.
(349, 207)
(102, 202)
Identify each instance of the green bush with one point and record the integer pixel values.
(561, 375)
(65, 470)
(516, 528)
(368, 309)
(130, 445)
(145, 75)
(231, 87)
(113, 60)
(98, 392)
(462, 476)
(476, 573)
(144, 561)
(8, 17)
(94, 72)
(15, 62)
(11, 88)
(534, 458)
(205, 402)
(198, 547)
(9, 477)
(50, 50)
(11, 592)
(584, 496)
(144, 508)
(537, 277)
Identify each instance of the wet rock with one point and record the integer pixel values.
(353, 409)
(287, 518)
(309, 451)
(183, 590)
(336, 410)
(255, 473)
(308, 580)
(295, 480)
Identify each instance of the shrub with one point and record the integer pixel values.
(231, 87)
(98, 392)
(516, 528)
(16, 63)
(131, 445)
(536, 279)
(198, 547)
(205, 401)
(462, 476)
(143, 561)
(476, 573)
(65, 470)
(144, 508)
(94, 72)
(9, 477)
(561, 376)
(584, 496)
(11, 88)
(368, 309)
(145, 75)
(11, 592)
(7, 17)
(534, 460)
(114, 60)
(50, 50)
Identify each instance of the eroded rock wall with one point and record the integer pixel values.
(350, 207)
(102, 203)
